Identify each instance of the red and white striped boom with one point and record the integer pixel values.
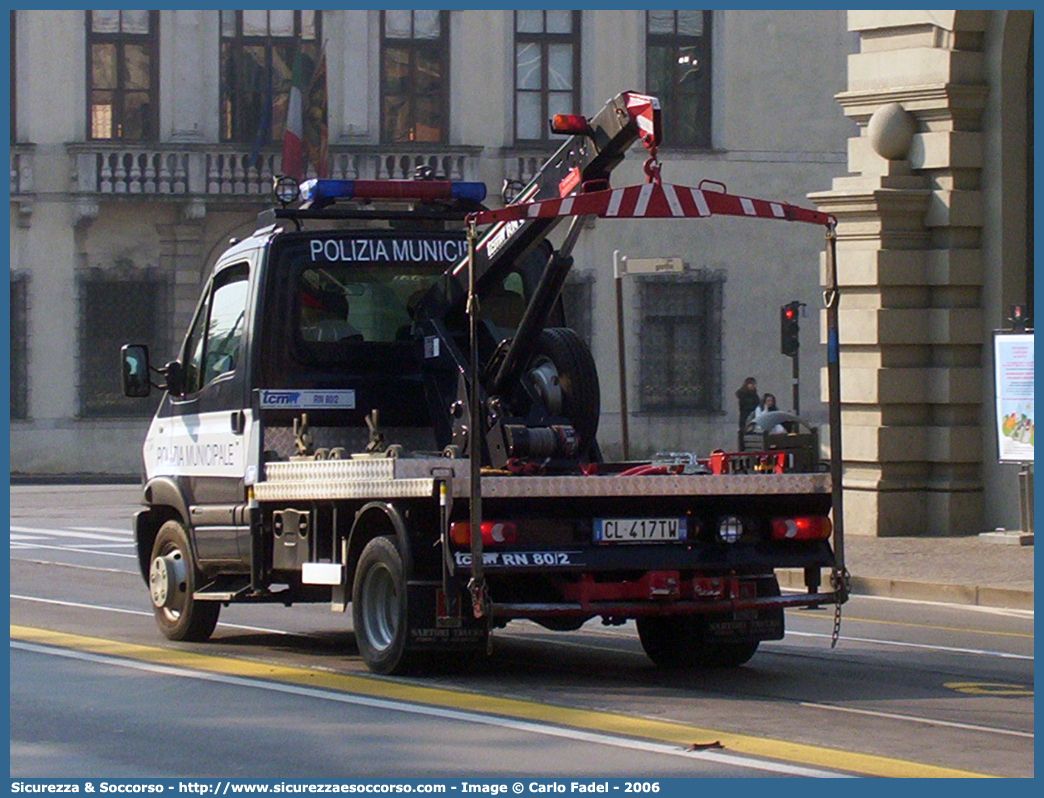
(654, 200)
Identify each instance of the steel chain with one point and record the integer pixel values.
(837, 625)
(839, 582)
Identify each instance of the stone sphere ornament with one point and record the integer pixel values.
(890, 131)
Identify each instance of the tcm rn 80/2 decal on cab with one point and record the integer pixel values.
(286, 399)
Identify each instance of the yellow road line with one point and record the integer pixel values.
(919, 625)
(589, 720)
(989, 688)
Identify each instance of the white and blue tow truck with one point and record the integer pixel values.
(379, 404)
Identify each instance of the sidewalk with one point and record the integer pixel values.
(959, 570)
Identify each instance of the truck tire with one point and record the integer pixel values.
(173, 578)
(726, 655)
(561, 352)
(379, 611)
(680, 642)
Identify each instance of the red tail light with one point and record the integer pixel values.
(570, 124)
(494, 533)
(811, 528)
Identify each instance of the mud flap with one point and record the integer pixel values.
(747, 626)
(443, 622)
(765, 625)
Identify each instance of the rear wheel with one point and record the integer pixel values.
(682, 642)
(687, 642)
(379, 611)
(173, 578)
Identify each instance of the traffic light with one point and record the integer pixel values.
(789, 343)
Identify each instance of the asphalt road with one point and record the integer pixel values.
(911, 689)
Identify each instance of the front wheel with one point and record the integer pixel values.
(379, 610)
(173, 578)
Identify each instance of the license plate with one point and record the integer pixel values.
(639, 530)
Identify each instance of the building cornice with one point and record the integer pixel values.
(928, 102)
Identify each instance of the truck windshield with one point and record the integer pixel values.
(340, 304)
(358, 303)
(359, 287)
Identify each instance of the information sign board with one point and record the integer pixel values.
(1013, 396)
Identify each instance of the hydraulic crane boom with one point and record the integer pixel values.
(584, 162)
(586, 158)
(574, 182)
(654, 199)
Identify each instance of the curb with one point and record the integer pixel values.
(973, 595)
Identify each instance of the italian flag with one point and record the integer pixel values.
(293, 134)
(305, 134)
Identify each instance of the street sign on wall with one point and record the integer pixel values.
(627, 265)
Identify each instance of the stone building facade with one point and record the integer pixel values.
(934, 246)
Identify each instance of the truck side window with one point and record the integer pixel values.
(194, 349)
(212, 348)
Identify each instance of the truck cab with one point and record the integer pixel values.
(305, 343)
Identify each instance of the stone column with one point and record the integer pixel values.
(356, 99)
(189, 91)
(181, 255)
(910, 268)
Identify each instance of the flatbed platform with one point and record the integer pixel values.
(405, 477)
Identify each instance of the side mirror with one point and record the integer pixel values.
(175, 378)
(134, 371)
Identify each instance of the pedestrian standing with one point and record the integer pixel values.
(748, 400)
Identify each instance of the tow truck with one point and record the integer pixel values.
(379, 406)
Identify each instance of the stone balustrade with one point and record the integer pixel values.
(21, 169)
(191, 170)
(374, 163)
(524, 166)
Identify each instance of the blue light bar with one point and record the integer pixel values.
(320, 193)
(468, 190)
